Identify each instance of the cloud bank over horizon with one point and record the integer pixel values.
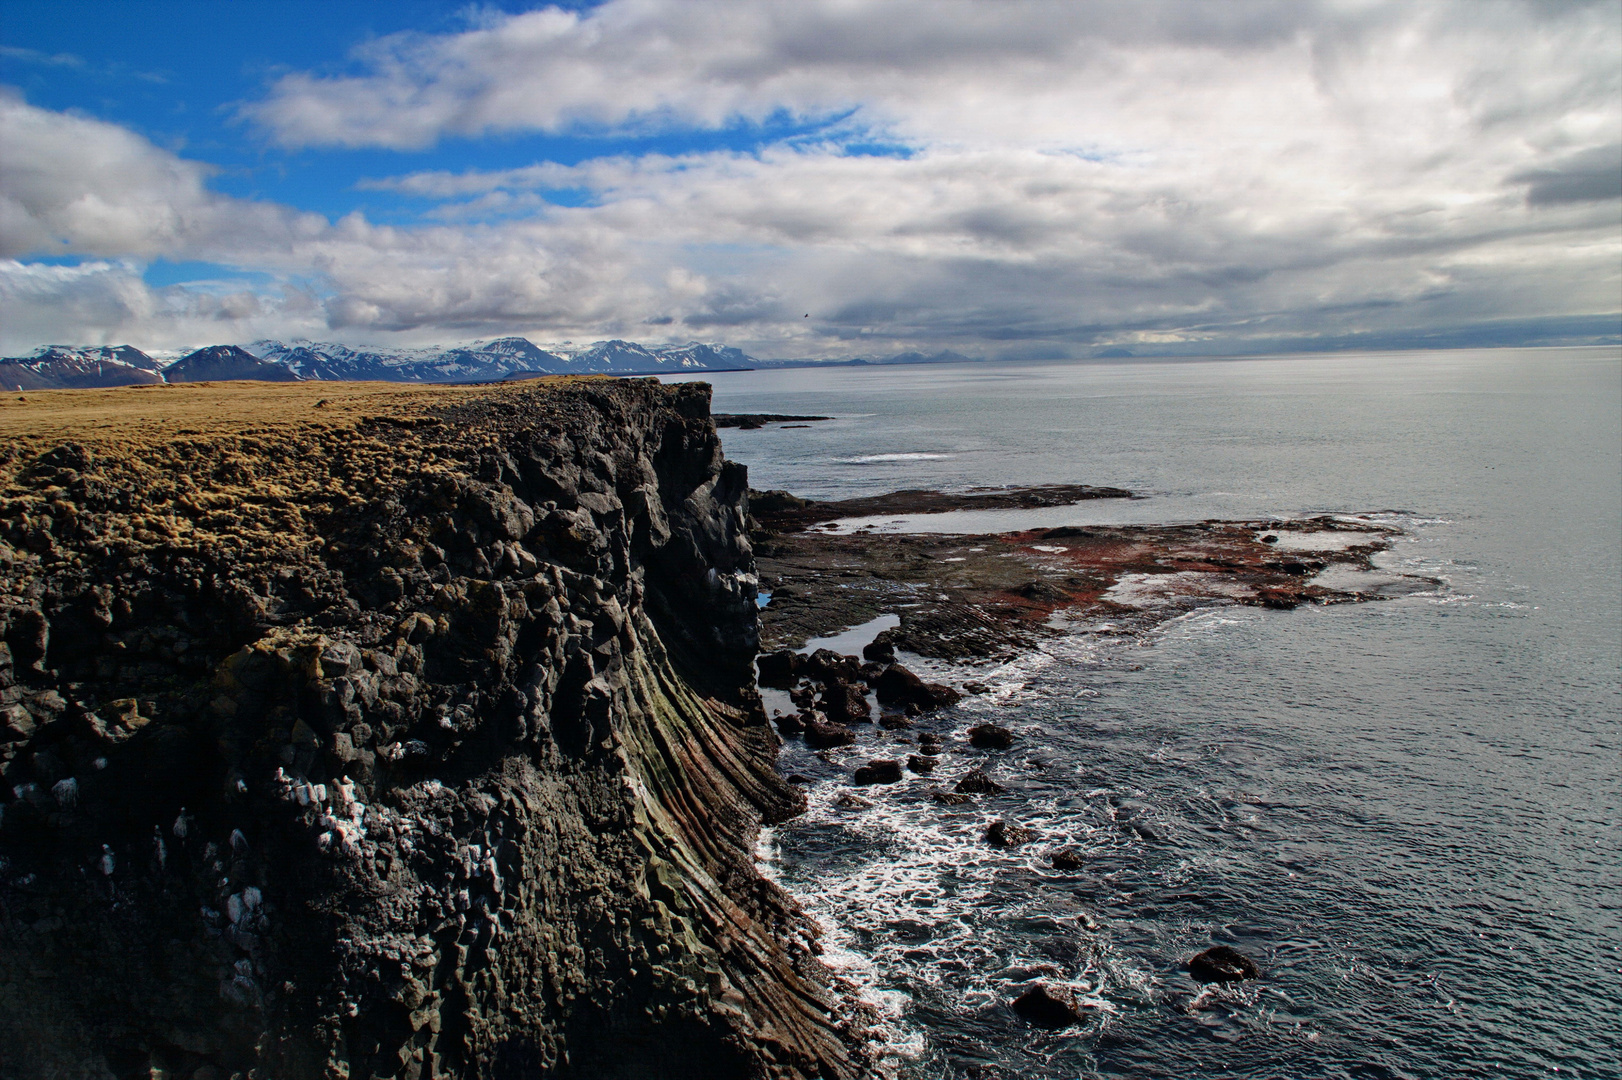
(834, 178)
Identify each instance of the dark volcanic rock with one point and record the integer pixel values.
(976, 782)
(990, 737)
(1049, 1005)
(879, 771)
(898, 686)
(415, 735)
(921, 764)
(1001, 834)
(1067, 858)
(1221, 964)
(824, 736)
(845, 703)
(779, 669)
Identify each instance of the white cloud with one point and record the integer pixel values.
(1074, 173)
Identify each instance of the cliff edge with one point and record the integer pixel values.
(368, 731)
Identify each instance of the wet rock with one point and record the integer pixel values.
(899, 686)
(778, 670)
(929, 743)
(1050, 1005)
(990, 737)
(847, 800)
(892, 722)
(879, 771)
(1067, 858)
(790, 723)
(1001, 834)
(1221, 964)
(822, 736)
(976, 688)
(977, 782)
(881, 649)
(918, 763)
(827, 666)
(950, 798)
(845, 703)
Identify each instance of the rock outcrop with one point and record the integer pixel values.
(403, 733)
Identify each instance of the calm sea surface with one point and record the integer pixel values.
(1406, 811)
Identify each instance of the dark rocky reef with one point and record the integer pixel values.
(413, 737)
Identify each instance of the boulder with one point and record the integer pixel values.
(845, 703)
(790, 723)
(950, 798)
(893, 722)
(976, 782)
(990, 737)
(1067, 858)
(827, 666)
(779, 669)
(898, 686)
(1049, 1005)
(821, 736)
(879, 771)
(881, 649)
(921, 764)
(1001, 834)
(1222, 964)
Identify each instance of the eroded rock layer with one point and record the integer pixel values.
(388, 733)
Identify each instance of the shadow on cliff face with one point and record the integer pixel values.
(418, 741)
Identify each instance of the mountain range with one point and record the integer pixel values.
(58, 367)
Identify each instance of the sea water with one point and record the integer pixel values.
(1406, 811)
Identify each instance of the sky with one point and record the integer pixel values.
(816, 178)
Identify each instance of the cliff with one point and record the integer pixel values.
(372, 731)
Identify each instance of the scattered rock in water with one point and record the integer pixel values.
(1049, 1005)
(1222, 964)
(881, 649)
(990, 737)
(893, 722)
(847, 800)
(1067, 858)
(822, 736)
(1001, 834)
(799, 778)
(977, 782)
(976, 688)
(879, 771)
(918, 763)
(950, 798)
(845, 703)
(898, 686)
(778, 670)
(827, 666)
(789, 723)
(929, 743)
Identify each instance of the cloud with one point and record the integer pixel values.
(1590, 175)
(70, 184)
(1075, 174)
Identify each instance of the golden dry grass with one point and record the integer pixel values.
(133, 416)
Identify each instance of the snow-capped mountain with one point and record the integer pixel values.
(63, 367)
(221, 363)
(486, 361)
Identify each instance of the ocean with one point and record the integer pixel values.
(1406, 811)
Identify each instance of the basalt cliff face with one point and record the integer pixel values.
(388, 732)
